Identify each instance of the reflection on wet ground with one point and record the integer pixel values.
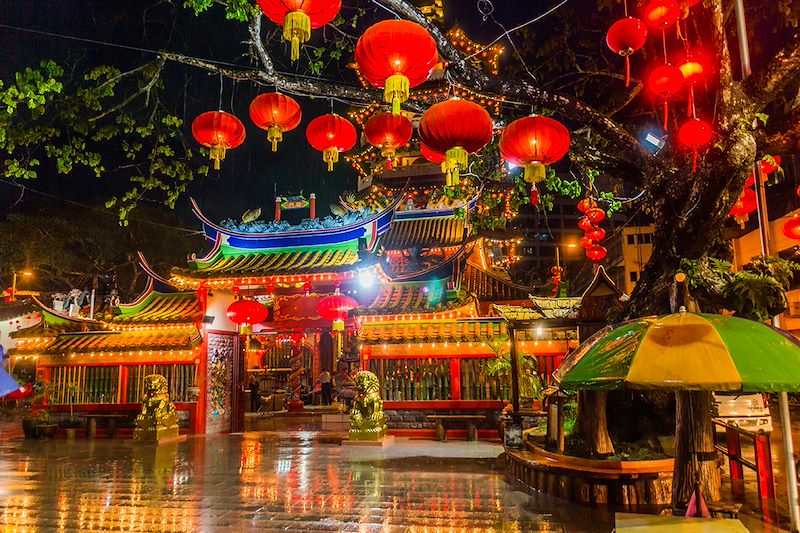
(273, 480)
(278, 476)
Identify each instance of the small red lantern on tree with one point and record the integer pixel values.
(396, 55)
(661, 13)
(585, 224)
(218, 131)
(746, 203)
(693, 71)
(791, 228)
(586, 242)
(695, 134)
(276, 113)
(299, 17)
(624, 37)
(331, 134)
(596, 234)
(533, 142)
(456, 128)
(596, 253)
(665, 81)
(388, 132)
(595, 215)
(586, 204)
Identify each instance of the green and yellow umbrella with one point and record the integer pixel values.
(685, 351)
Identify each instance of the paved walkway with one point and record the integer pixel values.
(269, 481)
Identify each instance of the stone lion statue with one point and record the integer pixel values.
(157, 420)
(367, 421)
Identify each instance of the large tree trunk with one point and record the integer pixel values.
(592, 422)
(695, 455)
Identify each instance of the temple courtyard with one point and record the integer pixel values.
(278, 476)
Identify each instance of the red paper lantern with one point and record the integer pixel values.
(276, 113)
(456, 128)
(766, 168)
(534, 196)
(299, 17)
(331, 134)
(665, 81)
(335, 309)
(586, 204)
(247, 312)
(218, 131)
(431, 155)
(596, 253)
(596, 234)
(586, 242)
(695, 134)
(624, 37)
(533, 142)
(791, 228)
(585, 224)
(661, 13)
(396, 55)
(388, 132)
(745, 204)
(595, 215)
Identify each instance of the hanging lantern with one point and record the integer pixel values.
(745, 204)
(791, 228)
(665, 81)
(586, 204)
(455, 128)
(596, 234)
(299, 17)
(624, 37)
(534, 195)
(585, 224)
(533, 142)
(586, 242)
(388, 132)
(767, 167)
(218, 131)
(335, 308)
(276, 113)
(695, 134)
(331, 134)
(396, 55)
(246, 313)
(661, 13)
(595, 215)
(693, 71)
(596, 253)
(431, 155)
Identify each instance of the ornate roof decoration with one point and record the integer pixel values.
(542, 309)
(417, 299)
(109, 341)
(153, 307)
(424, 233)
(461, 330)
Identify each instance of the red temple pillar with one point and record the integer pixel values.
(312, 202)
(277, 209)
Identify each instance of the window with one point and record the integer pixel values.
(634, 276)
(646, 238)
(631, 239)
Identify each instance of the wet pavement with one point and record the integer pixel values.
(271, 480)
(282, 476)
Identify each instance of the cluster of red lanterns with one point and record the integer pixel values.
(592, 232)
(629, 34)
(747, 203)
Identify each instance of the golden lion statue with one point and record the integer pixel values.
(367, 421)
(158, 419)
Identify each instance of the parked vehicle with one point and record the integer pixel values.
(745, 411)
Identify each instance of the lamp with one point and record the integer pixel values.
(24, 274)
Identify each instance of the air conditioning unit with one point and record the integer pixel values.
(794, 309)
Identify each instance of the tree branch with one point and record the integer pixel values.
(782, 71)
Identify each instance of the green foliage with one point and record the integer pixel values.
(568, 188)
(241, 10)
(757, 292)
(530, 382)
(59, 125)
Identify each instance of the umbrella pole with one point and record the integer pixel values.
(788, 458)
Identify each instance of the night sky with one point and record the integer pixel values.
(250, 173)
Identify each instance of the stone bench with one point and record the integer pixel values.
(471, 422)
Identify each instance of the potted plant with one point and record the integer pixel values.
(72, 423)
(530, 383)
(36, 423)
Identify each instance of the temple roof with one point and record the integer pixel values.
(424, 233)
(415, 298)
(541, 309)
(492, 286)
(109, 341)
(261, 265)
(456, 330)
(154, 307)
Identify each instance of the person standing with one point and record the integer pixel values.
(254, 394)
(327, 388)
